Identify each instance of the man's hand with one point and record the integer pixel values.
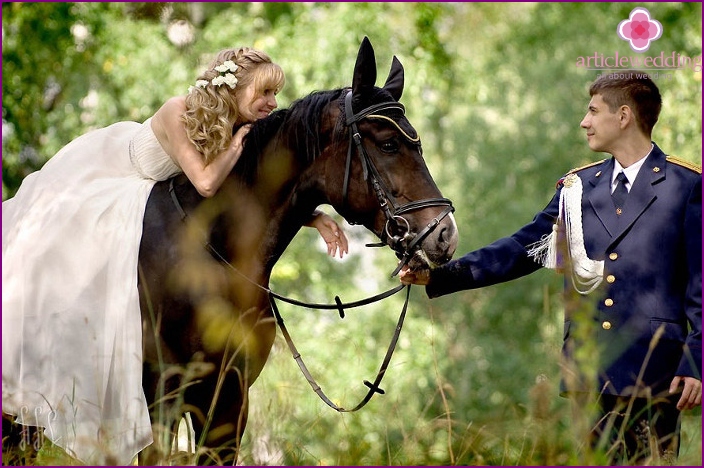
(691, 393)
(420, 277)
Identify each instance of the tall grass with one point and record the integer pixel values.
(289, 426)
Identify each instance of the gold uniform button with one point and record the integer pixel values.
(606, 325)
(609, 302)
(619, 211)
(610, 279)
(613, 256)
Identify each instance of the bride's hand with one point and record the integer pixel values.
(236, 144)
(331, 233)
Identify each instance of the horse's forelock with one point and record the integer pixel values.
(374, 96)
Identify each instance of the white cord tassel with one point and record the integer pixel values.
(587, 274)
(545, 250)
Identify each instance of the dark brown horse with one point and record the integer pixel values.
(208, 322)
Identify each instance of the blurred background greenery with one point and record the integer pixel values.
(496, 93)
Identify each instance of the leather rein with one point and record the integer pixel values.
(393, 211)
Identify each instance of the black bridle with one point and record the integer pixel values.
(404, 245)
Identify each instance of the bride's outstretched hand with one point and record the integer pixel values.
(332, 234)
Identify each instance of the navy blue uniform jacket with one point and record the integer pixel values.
(652, 275)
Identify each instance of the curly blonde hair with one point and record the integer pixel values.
(212, 111)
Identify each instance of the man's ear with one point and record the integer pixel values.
(625, 115)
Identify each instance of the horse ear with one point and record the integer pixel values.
(394, 83)
(364, 69)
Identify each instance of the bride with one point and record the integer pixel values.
(71, 324)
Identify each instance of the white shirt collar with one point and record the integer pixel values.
(630, 171)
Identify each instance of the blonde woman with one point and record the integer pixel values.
(72, 336)
(240, 86)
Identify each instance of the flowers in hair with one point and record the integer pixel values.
(227, 66)
(228, 79)
(226, 70)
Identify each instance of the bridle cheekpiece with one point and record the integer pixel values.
(404, 245)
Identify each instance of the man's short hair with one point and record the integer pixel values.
(634, 89)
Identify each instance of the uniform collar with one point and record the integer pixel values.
(631, 171)
(641, 195)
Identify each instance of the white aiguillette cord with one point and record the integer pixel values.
(586, 274)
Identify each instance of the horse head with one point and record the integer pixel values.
(385, 183)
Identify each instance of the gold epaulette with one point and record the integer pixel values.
(577, 169)
(685, 164)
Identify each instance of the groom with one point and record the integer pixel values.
(627, 232)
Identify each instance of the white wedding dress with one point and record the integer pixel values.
(71, 327)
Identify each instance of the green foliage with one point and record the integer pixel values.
(497, 97)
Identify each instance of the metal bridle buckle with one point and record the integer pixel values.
(406, 232)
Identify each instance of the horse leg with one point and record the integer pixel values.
(19, 443)
(218, 431)
(220, 400)
(164, 415)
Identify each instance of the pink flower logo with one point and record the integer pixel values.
(639, 29)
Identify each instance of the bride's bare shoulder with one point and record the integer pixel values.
(174, 106)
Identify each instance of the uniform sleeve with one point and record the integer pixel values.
(503, 260)
(691, 363)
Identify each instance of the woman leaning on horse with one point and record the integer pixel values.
(196, 130)
(72, 344)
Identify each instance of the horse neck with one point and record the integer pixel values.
(283, 200)
(289, 172)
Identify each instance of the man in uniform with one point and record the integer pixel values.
(627, 233)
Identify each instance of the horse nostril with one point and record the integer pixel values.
(447, 238)
(443, 236)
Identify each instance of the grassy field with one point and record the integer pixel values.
(538, 439)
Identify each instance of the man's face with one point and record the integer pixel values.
(602, 125)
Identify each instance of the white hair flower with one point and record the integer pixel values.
(230, 80)
(199, 84)
(227, 66)
(226, 70)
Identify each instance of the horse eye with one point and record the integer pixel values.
(390, 146)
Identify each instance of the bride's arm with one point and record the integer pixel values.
(171, 133)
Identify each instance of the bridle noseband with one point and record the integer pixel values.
(405, 245)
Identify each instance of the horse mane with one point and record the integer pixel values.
(297, 127)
